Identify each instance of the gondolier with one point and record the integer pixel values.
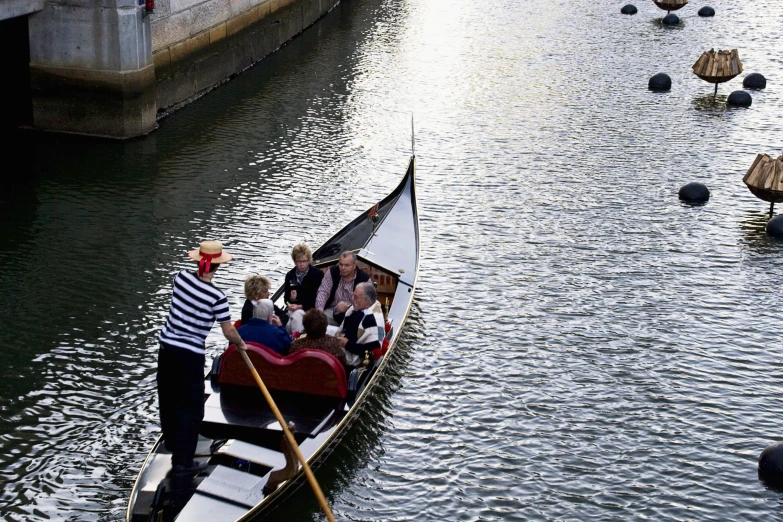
(195, 306)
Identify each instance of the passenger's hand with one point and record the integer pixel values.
(242, 347)
(343, 341)
(341, 307)
(293, 294)
(273, 319)
(294, 307)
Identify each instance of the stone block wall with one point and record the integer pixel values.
(197, 44)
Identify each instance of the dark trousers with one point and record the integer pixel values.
(181, 398)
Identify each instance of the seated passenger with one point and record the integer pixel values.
(336, 292)
(265, 328)
(301, 286)
(363, 325)
(314, 322)
(257, 288)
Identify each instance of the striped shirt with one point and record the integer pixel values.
(195, 305)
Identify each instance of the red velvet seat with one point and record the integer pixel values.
(306, 371)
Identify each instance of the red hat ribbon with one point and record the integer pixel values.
(205, 263)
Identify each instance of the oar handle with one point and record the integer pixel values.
(290, 437)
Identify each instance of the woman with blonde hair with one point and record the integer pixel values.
(301, 286)
(257, 288)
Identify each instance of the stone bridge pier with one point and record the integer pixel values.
(91, 68)
(110, 67)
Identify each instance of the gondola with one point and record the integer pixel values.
(251, 468)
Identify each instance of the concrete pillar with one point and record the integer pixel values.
(91, 68)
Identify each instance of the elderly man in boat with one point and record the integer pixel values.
(363, 325)
(265, 328)
(336, 291)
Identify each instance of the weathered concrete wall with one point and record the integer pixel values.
(108, 67)
(197, 44)
(91, 68)
(13, 8)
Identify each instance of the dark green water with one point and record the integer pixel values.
(583, 346)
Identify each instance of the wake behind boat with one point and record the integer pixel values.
(250, 467)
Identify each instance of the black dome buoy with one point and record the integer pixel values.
(706, 11)
(660, 83)
(775, 229)
(771, 459)
(694, 192)
(628, 9)
(754, 81)
(739, 99)
(671, 19)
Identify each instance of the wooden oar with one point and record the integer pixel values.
(290, 437)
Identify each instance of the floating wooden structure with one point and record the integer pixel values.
(717, 67)
(670, 5)
(765, 179)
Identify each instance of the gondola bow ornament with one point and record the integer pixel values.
(372, 214)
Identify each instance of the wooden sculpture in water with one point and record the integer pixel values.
(670, 5)
(717, 67)
(765, 179)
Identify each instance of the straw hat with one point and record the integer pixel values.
(211, 251)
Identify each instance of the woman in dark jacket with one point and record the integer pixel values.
(301, 286)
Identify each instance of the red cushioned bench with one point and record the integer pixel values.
(307, 371)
